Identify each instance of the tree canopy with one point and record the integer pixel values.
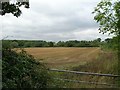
(41, 43)
(13, 8)
(107, 14)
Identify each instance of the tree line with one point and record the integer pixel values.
(108, 43)
(41, 43)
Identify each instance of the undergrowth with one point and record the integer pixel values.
(105, 63)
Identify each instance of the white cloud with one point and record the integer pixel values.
(53, 20)
(90, 34)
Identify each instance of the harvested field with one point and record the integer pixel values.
(64, 57)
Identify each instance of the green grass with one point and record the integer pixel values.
(105, 63)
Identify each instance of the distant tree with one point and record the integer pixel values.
(99, 39)
(21, 43)
(51, 44)
(27, 44)
(82, 43)
(69, 44)
(60, 44)
(14, 44)
(31, 44)
(38, 44)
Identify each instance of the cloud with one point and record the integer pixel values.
(53, 20)
(90, 34)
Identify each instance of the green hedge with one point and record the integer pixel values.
(20, 70)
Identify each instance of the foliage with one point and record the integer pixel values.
(20, 70)
(107, 14)
(110, 43)
(14, 44)
(40, 43)
(6, 44)
(13, 8)
(106, 62)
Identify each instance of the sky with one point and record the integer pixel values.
(53, 20)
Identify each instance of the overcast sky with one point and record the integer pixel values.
(53, 20)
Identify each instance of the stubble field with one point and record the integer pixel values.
(78, 59)
(64, 57)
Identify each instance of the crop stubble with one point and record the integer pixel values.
(64, 57)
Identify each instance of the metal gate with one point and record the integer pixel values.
(86, 73)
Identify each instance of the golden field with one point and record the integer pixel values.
(58, 57)
(78, 59)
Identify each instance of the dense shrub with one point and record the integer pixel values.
(20, 70)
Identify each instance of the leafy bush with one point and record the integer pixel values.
(20, 70)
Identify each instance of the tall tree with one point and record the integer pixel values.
(107, 14)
